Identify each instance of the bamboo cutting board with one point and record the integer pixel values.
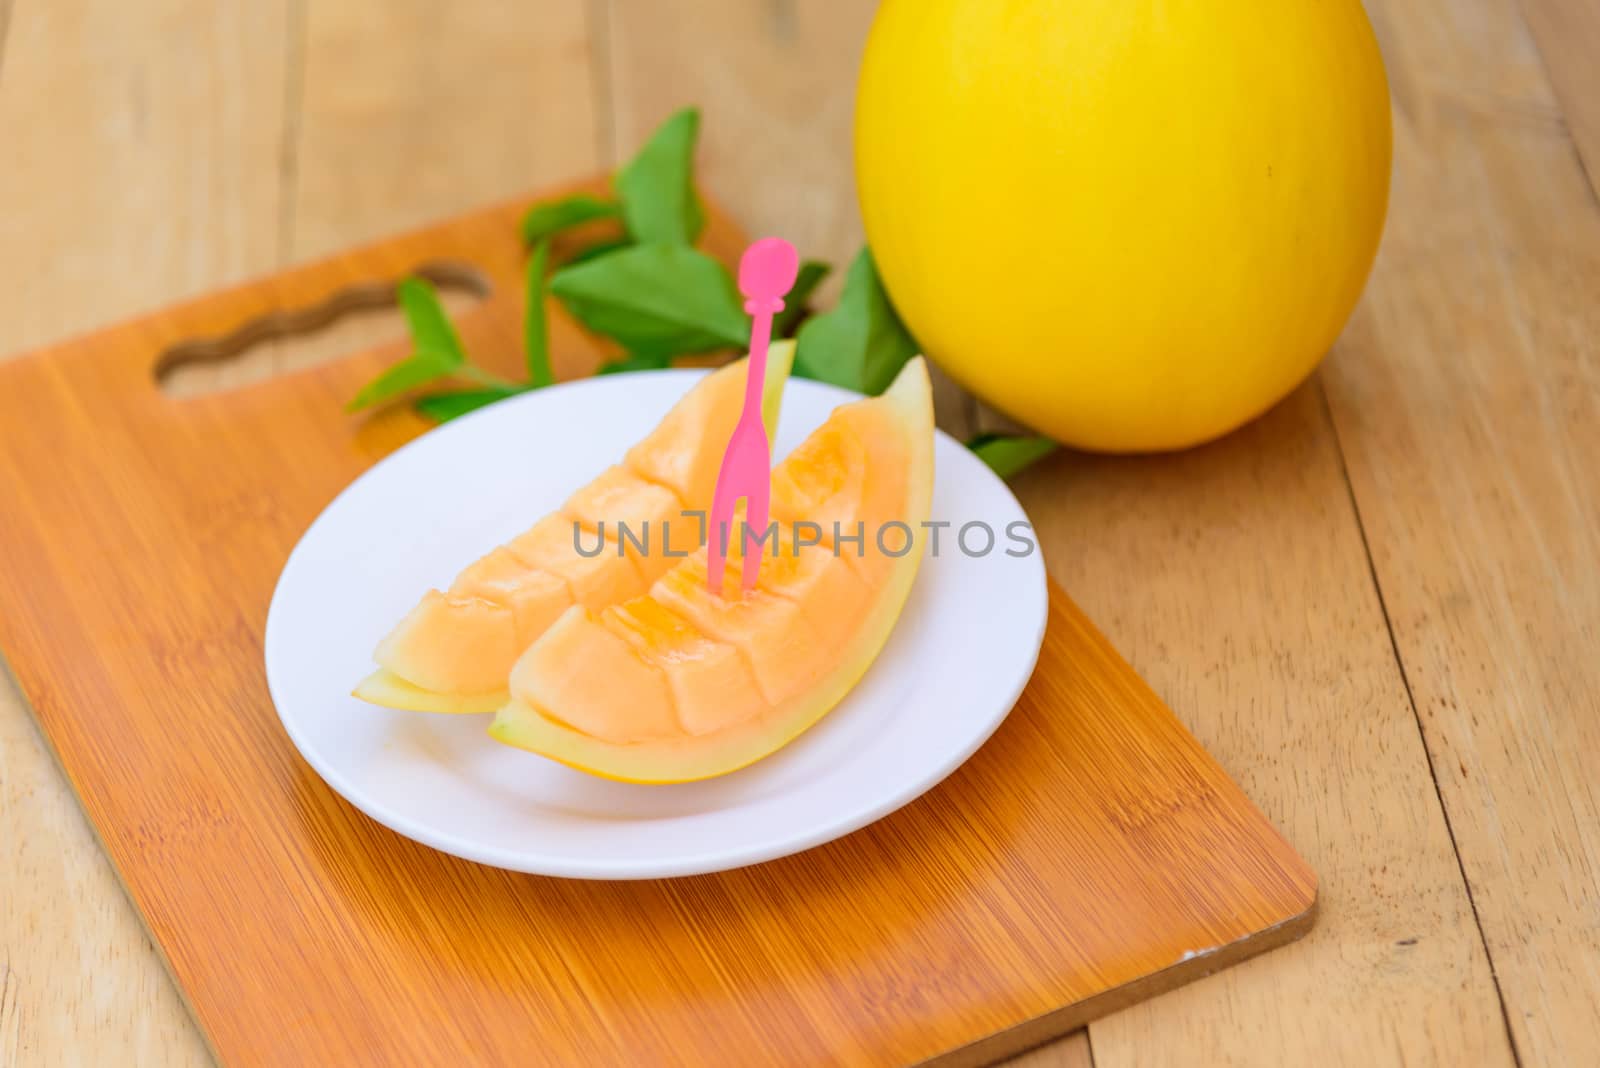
(1089, 855)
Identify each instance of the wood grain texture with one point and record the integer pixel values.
(1149, 545)
(143, 181)
(140, 165)
(1070, 1052)
(1568, 33)
(1091, 853)
(775, 83)
(1467, 399)
(181, 126)
(80, 981)
(1235, 578)
(410, 112)
(171, 159)
(403, 115)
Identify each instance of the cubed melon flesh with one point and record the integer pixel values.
(829, 481)
(556, 545)
(711, 682)
(614, 693)
(461, 645)
(536, 598)
(642, 520)
(789, 626)
(684, 453)
(451, 644)
(679, 684)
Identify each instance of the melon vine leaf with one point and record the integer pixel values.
(658, 299)
(637, 361)
(436, 350)
(860, 344)
(596, 250)
(659, 203)
(443, 407)
(431, 332)
(535, 326)
(812, 272)
(1007, 455)
(553, 216)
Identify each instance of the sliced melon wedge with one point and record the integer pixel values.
(678, 684)
(454, 652)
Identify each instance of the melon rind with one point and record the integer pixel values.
(391, 691)
(389, 688)
(688, 758)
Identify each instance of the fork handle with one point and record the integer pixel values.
(767, 271)
(756, 371)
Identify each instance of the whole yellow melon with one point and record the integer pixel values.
(1131, 224)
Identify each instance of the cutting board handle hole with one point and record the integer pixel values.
(355, 318)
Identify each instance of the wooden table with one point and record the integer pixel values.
(1379, 605)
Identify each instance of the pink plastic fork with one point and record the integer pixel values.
(767, 271)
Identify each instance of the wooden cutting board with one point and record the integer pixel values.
(1089, 855)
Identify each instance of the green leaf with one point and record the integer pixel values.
(598, 249)
(812, 272)
(1008, 455)
(658, 299)
(431, 332)
(638, 361)
(861, 344)
(659, 203)
(443, 407)
(436, 351)
(551, 217)
(535, 330)
(404, 376)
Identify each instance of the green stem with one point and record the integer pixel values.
(485, 378)
(535, 331)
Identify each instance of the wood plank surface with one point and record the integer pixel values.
(1073, 1051)
(1568, 34)
(1235, 576)
(410, 113)
(775, 83)
(1090, 854)
(189, 145)
(1364, 803)
(176, 151)
(1467, 399)
(141, 159)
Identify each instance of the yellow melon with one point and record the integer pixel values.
(679, 684)
(455, 650)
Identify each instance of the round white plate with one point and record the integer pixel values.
(950, 672)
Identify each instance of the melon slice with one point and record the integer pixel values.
(678, 684)
(455, 650)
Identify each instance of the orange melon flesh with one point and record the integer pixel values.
(552, 547)
(637, 519)
(454, 652)
(788, 627)
(679, 685)
(579, 663)
(833, 477)
(452, 644)
(536, 599)
(710, 681)
(684, 454)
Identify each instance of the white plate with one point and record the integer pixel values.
(950, 672)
